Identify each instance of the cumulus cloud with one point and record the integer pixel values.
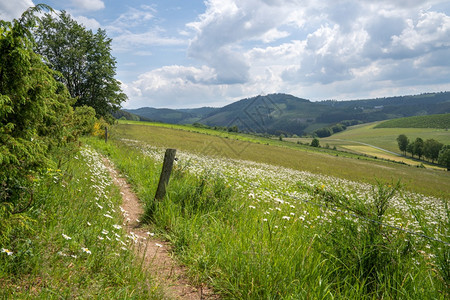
(13, 9)
(184, 86)
(225, 24)
(314, 49)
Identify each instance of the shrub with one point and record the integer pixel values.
(315, 143)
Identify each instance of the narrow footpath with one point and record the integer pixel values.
(154, 252)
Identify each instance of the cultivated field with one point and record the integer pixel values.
(366, 139)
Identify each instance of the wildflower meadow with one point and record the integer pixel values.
(257, 231)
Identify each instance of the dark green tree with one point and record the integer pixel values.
(431, 149)
(444, 157)
(84, 61)
(403, 142)
(315, 143)
(418, 147)
(410, 149)
(323, 132)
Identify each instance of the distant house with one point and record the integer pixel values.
(379, 107)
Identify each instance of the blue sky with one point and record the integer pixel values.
(190, 53)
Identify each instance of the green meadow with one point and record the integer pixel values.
(290, 155)
(257, 230)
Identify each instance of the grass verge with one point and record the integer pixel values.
(69, 243)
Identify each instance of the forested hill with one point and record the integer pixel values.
(284, 113)
(166, 115)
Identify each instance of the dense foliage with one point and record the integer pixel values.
(430, 149)
(35, 114)
(84, 61)
(48, 221)
(444, 157)
(403, 142)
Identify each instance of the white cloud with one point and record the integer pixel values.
(91, 24)
(314, 49)
(133, 18)
(430, 32)
(13, 9)
(273, 35)
(184, 86)
(129, 41)
(225, 25)
(88, 5)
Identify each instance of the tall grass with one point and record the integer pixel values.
(248, 247)
(72, 246)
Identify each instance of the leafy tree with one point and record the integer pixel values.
(431, 149)
(444, 157)
(418, 147)
(403, 142)
(83, 60)
(410, 149)
(315, 143)
(35, 114)
(324, 132)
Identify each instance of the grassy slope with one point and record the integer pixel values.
(428, 182)
(441, 121)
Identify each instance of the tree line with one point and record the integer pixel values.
(429, 149)
(56, 83)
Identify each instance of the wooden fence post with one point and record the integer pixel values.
(169, 157)
(106, 134)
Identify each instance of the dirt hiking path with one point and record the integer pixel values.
(154, 252)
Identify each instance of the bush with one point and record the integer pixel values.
(84, 120)
(315, 143)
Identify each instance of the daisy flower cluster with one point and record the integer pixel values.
(283, 194)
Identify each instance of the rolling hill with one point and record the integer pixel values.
(287, 114)
(441, 121)
(172, 116)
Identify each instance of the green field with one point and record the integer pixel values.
(260, 231)
(385, 138)
(333, 163)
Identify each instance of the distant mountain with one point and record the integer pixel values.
(122, 114)
(274, 114)
(284, 113)
(172, 116)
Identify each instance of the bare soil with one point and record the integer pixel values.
(155, 253)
